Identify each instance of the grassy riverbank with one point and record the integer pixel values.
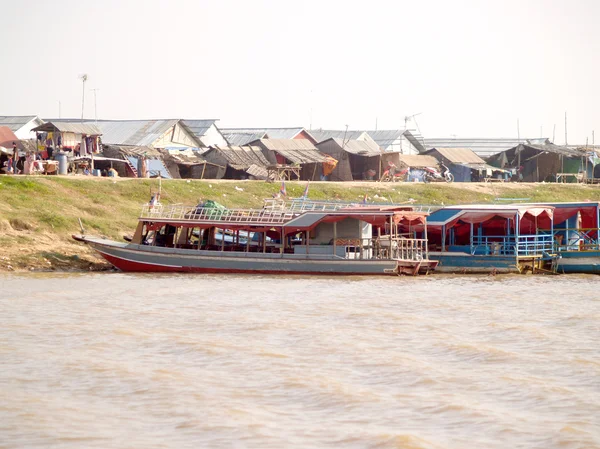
(39, 214)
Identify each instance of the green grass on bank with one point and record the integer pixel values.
(52, 205)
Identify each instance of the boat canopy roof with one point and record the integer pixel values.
(481, 213)
(563, 211)
(261, 220)
(309, 220)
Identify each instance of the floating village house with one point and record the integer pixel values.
(21, 125)
(482, 147)
(236, 162)
(206, 132)
(292, 158)
(357, 159)
(533, 162)
(78, 138)
(401, 141)
(131, 140)
(398, 140)
(322, 135)
(464, 164)
(243, 136)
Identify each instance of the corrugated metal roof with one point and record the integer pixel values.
(298, 151)
(242, 138)
(550, 147)
(418, 160)
(89, 129)
(358, 147)
(186, 157)
(483, 147)
(129, 132)
(134, 132)
(459, 155)
(258, 172)
(15, 122)
(321, 135)
(121, 150)
(385, 138)
(198, 127)
(243, 157)
(272, 133)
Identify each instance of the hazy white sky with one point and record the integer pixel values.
(471, 67)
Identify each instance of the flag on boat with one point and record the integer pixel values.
(282, 190)
(305, 194)
(364, 201)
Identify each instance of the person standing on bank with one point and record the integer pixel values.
(15, 157)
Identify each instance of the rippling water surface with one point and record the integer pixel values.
(136, 361)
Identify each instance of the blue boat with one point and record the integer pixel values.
(576, 236)
(492, 238)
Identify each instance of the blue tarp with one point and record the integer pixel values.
(154, 167)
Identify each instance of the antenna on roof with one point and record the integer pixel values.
(344, 141)
(408, 117)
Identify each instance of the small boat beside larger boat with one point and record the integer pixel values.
(576, 236)
(492, 238)
(359, 240)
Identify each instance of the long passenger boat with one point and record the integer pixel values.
(357, 241)
(492, 238)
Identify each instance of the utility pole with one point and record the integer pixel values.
(565, 128)
(554, 133)
(83, 78)
(518, 132)
(58, 108)
(95, 108)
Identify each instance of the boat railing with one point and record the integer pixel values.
(197, 213)
(502, 245)
(409, 249)
(380, 248)
(530, 245)
(306, 205)
(577, 239)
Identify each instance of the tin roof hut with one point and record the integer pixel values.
(357, 159)
(296, 155)
(460, 162)
(541, 162)
(242, 162)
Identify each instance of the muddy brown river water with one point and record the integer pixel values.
(142, 361)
